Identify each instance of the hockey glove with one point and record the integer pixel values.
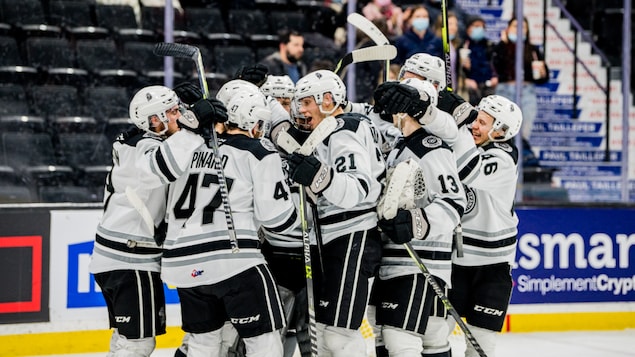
(256, 74)
(310, 172)
(188, 93)
(207, 112)
(462, 111)
(380, 92)
(407, 225)
(401, 98)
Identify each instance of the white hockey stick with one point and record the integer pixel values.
(324, 129)
(367, 54)
(194, 53)
(369, 29)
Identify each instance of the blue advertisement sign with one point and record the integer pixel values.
(80, 294)
(567, 255)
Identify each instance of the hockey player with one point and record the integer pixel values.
(432, 69)
(342, 175)
(281, 88)
(126, 255)
(215, 282)
(413, 318)
(481, 279)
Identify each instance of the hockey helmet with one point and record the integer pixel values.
(431, 68)
(507, 116)
(151, 101)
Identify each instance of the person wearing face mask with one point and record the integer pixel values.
(504, 58)
(288, 59)
(418, 37)
(480, 77)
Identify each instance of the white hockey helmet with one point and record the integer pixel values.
(151, 101)
(430, 67)
(245, 110)
(278, 87)
(317, 83)
(423, 87)
(231, 88)
(507, 116)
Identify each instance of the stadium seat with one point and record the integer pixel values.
(80, 150)
(12, 188)
(56, 57)
(281, 19)
(103, 102)
(10, 52)
(23, 124)
(139, 57)
(75, 18)
(115, 17)
(55, 100)
(21, 150)
(76, 124)
(13, 100)
(248, 22)
(153, 19)
(230, 59)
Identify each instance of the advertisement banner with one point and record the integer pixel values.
(568, 255)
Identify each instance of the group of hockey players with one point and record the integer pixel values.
(220, 197)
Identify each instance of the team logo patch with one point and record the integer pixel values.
(267, 144)
(471, 199)
(431, 142)
(503, 146)
(340, 124)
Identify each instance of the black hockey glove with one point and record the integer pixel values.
(379, 93)
(188, 93)
(207, 112)
(407, 225)
(310, 172)
(402, 98)
(462, 111)
(256, 74)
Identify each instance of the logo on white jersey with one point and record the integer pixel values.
(471, 199)
(431, 142)
(324, 303)
(503, 146)
(196, 273)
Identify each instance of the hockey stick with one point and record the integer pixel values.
(373, 32)
(374, 53)
(445, 35)
(290, 145)
(187, 51)
(444, 299)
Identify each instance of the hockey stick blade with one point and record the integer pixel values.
(176, 50)
(367, 27)
(374, 53)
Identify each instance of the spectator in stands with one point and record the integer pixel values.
(385, 9)
(288, 59)
(418, 37)
(454, 41)
(504, 60)
(480, 77)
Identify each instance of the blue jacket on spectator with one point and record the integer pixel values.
(409, 43)
(481, 68)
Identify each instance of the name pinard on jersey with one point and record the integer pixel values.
(205, 159)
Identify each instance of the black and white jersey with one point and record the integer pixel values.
(198, 250)
(443, 204)
(490, 224)
(143, 165)
(388, 133)
(349, 203)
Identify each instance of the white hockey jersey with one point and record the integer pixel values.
(349, 203)
(143, 165)
(490, 224)
(198, 250)
(443, 205)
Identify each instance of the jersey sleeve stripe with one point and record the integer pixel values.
(163, 166)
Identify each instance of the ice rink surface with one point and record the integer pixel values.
(541, 344)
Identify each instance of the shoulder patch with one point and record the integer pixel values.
(471, 199)
(267, 144)
(431, 142)
(503, 146)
